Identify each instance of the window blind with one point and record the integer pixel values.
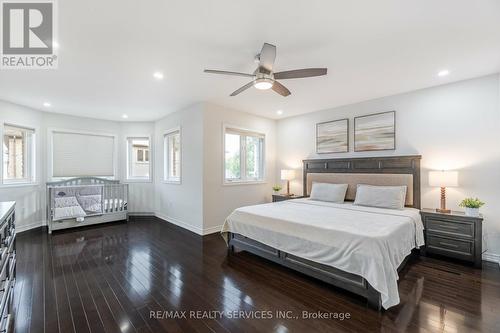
(76, 155)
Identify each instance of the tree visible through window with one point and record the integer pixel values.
(233, 156)
(18, 150)
(243, 156)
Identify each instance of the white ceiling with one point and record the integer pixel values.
(110, 49)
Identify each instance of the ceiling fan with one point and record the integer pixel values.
(265, 78)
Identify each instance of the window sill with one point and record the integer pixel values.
(172, 182)
(244, 182)
(11, 185)
(135, 181)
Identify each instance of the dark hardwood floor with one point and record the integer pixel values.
(113, 277)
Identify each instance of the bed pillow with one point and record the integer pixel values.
(328, 192)
(392, 197)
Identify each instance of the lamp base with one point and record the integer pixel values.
(443, 203)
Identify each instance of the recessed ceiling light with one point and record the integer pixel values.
(158, 75)
(47, 104)
(279, 112)
(124, 116)
(444, 72)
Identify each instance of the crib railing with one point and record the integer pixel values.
(82, 181)
(115, 198)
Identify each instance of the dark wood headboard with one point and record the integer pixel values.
(376, 165)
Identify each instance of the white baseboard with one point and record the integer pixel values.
(179, 223)
(212, 230)
(492, 257)
(192, 228)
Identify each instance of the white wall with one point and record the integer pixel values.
(454, 126)
(30, 200)
(220, 200)
(182, 204)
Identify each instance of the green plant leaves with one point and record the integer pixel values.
(471, 203)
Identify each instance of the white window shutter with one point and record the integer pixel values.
(76, 155)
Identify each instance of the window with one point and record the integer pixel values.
(18, 155)
(142, 155)
(172, 150)
(243, 156)
(138, 164)
(78, 154)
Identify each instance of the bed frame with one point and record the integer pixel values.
(356, 284)
(115, 193)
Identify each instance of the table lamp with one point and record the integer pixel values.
(443, 179)
(287, 175)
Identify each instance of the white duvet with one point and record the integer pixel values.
(370, 242)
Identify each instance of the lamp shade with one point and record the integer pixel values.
(287, 174)
(443, 178)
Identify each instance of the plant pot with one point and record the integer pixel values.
(472, 211)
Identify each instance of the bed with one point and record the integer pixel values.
(357, 248)
(85, 201)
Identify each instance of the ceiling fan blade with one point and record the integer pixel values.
(245, 87)
(267, 56)
(212, 71)
(281, 89)
(300, 73)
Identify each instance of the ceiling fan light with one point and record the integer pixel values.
(263, 84)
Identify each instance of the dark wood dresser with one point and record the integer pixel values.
(7, 263)
(453, 235)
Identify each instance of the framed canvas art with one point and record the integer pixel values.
(375, 132)
(332, 136)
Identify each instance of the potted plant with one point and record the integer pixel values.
(471, 206)
(277, 188)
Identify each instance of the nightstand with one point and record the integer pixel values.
(283, 197)
(453, 235)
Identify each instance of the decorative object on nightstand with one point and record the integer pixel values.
(283, 197)
(287, 175)
(277, 188)
(443, 179)
(453, 235)
(471, 206)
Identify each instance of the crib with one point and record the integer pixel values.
(85, 201)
